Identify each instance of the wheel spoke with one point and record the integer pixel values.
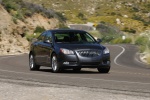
(54, 63)
(55, 66)
(31, 61)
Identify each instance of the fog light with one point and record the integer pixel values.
(66, 63)
(106, 62)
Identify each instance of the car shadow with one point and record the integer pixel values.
(70, 71)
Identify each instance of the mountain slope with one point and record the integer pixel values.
(13, 29)
(126, 14)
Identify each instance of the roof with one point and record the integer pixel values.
(58, 30)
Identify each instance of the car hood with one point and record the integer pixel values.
(80, 46)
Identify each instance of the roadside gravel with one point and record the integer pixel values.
(24, 90)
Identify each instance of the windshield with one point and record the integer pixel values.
(73, 37)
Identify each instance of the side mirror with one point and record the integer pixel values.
(47, 41)
(99, 40)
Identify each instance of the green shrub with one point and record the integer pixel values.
(117, 41)
(10, 5)
(129, 30)
(61, 17)
(108, 38)
(141, 41)
(127, 40)
(39, 29)
(29, 37)
(142, 48)
(120, 40)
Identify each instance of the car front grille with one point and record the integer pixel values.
(89, 53)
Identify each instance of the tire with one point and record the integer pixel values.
(32, 64)
(76, 69)
(55, 66)
(103, 70)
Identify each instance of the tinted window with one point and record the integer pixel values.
(48, 36)
(41, 37)
(73, 37)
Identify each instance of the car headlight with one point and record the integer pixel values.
(66, 51)
(106, 51)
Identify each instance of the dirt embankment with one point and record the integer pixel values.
(12, 32)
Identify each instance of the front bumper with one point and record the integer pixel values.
(74, 61)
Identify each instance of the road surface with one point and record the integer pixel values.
(127, 76)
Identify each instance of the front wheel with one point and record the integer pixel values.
(32, 64)
(103, 70)
(55, 66)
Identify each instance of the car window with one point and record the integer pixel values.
(89, 38)
(41, 37)
(48, 36)
(73, 37)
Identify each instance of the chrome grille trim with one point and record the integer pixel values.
(89, 53)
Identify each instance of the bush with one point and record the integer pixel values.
(80, 15)
(142, 48)
(141, 41)
(28, 9)
(109, 38)
(29, 37)
(117, 41)
(61, 17)
(120, 40)
(10, 5)
(129, 30)
(39, 29)
(127, 40)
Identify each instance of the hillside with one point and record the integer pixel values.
(128, 15)
(131, 18)
(15, 27)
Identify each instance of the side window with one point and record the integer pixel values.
(48, 36)
(89, 38)
(41, 37)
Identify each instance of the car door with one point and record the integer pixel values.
(38, 49)
(47, 47)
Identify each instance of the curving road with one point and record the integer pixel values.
(127, 73)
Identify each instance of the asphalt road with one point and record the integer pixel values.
(127, 73)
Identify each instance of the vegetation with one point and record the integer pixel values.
(39, 29)
(133, 14)
(20, 9)
(143, 41)
(29, 37)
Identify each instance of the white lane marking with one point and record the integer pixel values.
(115, 60)
(92, 79)
(123, 50)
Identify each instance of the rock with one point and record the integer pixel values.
(126, 16)
(118, 21)
(148, 14)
